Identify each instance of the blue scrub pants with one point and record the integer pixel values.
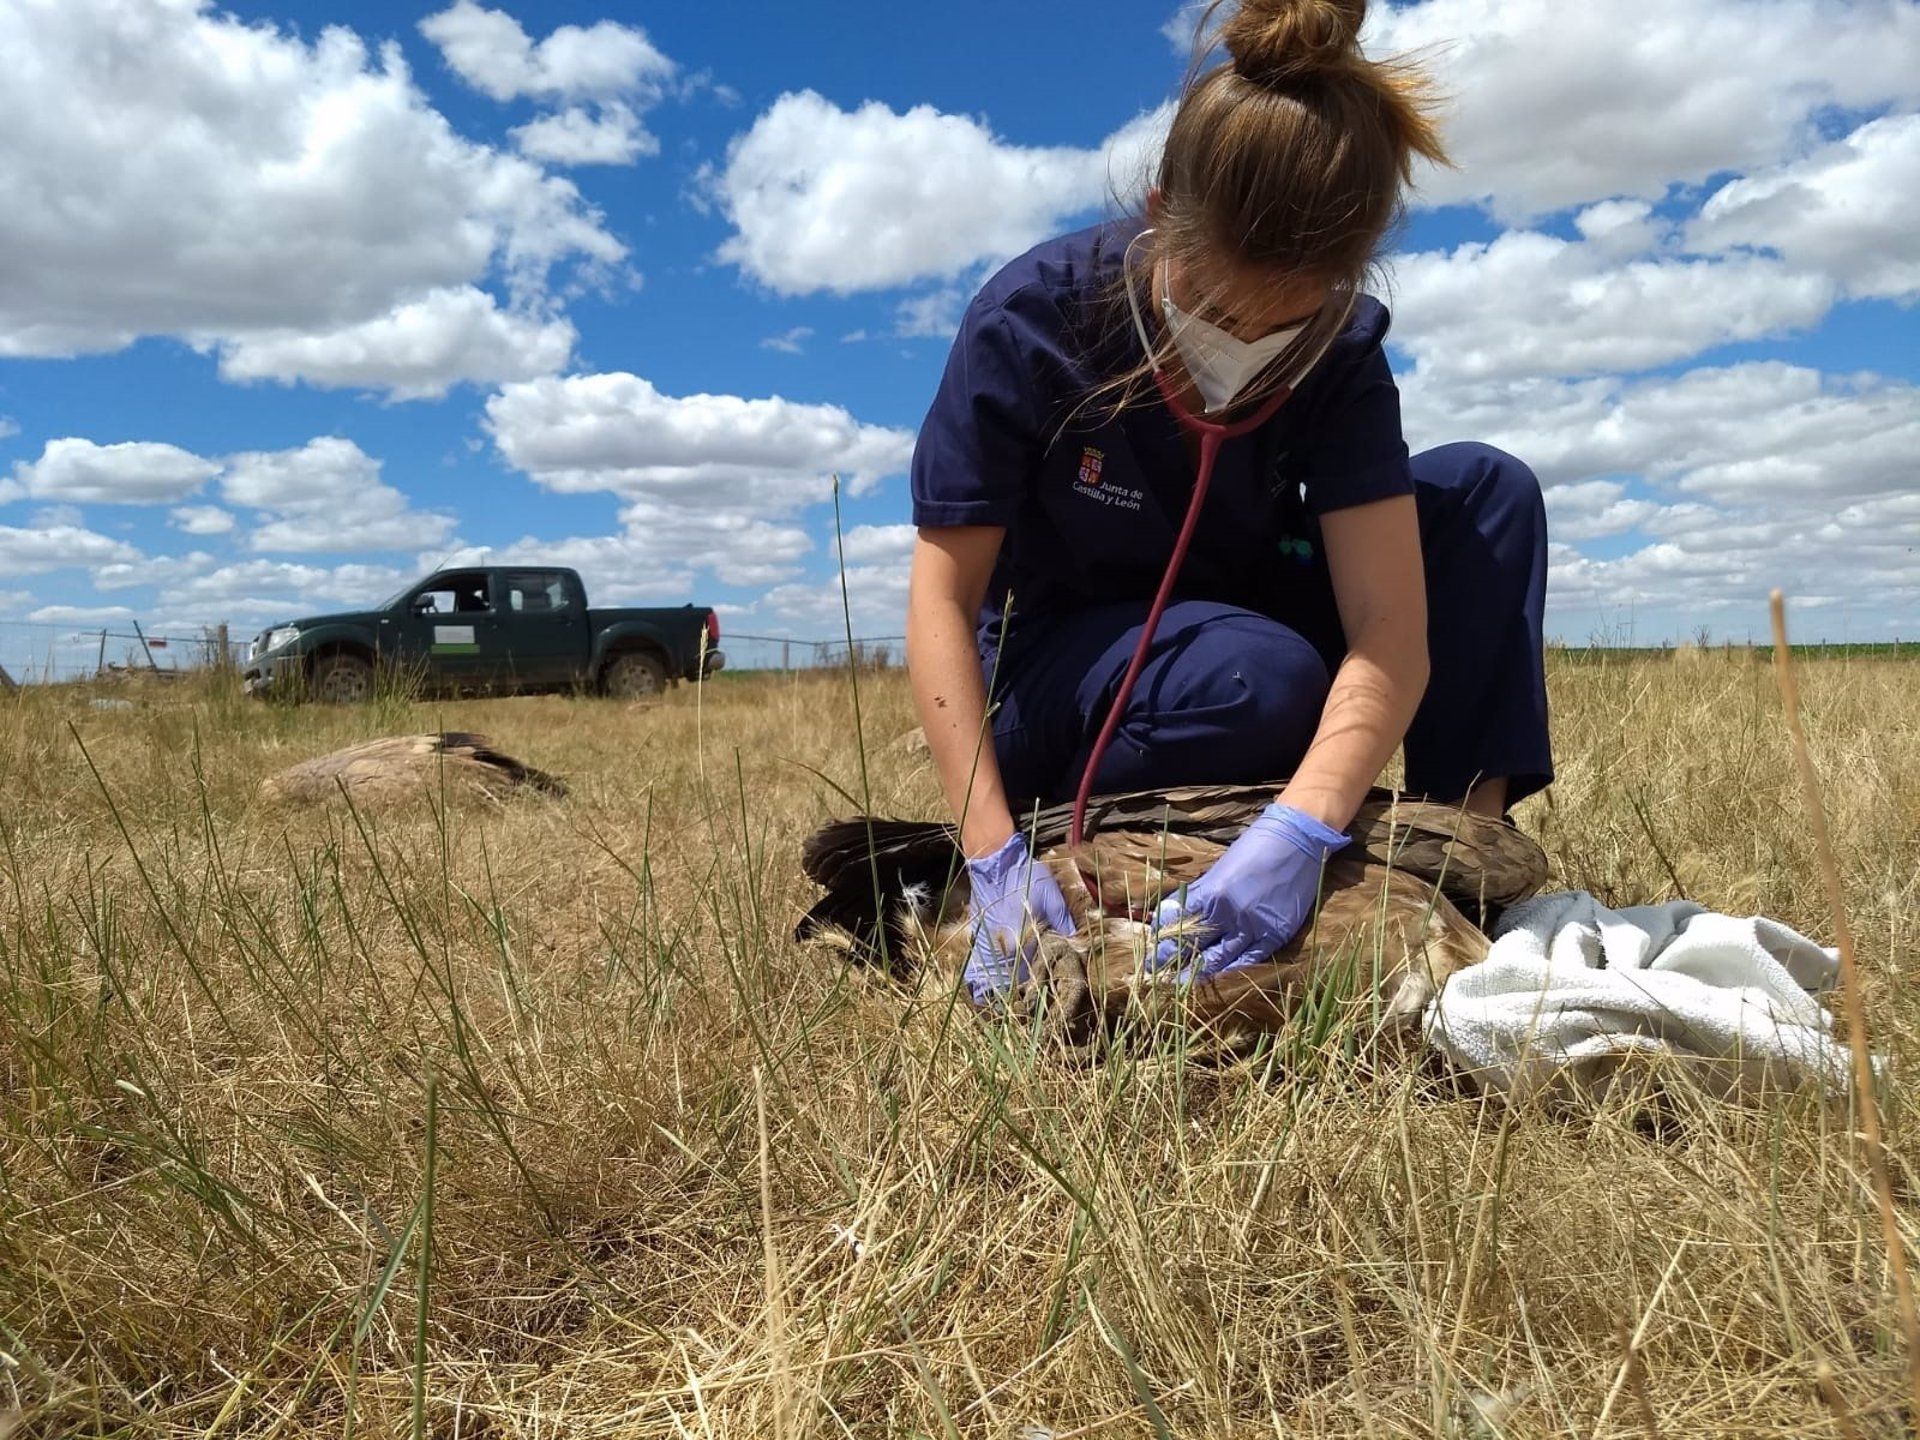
(1232, 696)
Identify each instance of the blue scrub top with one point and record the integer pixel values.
(1092, 503)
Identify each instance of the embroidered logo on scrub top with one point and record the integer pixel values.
(1094, 486)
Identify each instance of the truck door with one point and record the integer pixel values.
(451, 632)
(545, 622)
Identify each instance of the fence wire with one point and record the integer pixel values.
(784, 652)
(39, 651)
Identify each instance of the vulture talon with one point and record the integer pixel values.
(1057, 995)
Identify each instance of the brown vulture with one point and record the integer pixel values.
(405, 764)
(1393, 921)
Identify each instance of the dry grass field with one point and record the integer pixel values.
(528, 1119)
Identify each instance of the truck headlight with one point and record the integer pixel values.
(285, 635)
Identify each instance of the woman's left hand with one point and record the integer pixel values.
(1253, 899)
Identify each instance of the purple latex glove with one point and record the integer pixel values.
(1010, 893)
(1253, 899)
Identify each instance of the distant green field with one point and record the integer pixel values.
(1868, 650)
(1876, 650)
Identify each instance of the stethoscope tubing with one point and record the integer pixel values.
(1211, 434)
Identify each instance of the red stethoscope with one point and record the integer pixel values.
(1211, 435)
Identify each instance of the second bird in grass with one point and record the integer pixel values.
(404, 765)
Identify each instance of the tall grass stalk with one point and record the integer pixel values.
(423, 1267)
(1863, 1087)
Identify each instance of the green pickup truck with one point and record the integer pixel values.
(502, 629)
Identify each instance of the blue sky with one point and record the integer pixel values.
(287, 315)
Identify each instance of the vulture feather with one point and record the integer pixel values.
(403, 764)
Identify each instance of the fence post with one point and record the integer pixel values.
(222, 655)
(100, 665)
(141, 636)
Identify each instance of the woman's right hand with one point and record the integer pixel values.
(1013, 899)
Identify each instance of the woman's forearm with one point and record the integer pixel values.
(1374, 695)
(950, 694)
(943, 661)
(1378, 575)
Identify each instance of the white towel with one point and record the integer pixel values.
(1571, 991)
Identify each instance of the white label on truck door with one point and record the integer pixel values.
(454, 640)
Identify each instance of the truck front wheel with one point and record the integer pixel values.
(342, 680)
(634, 676)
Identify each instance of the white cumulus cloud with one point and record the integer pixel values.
(611, 135)
(201, 520)
(823, 198)
(1735, 479)
(123, 574)
(615, 432)
(415, 351)
(865, 544)
(52, 517)
(933, 315)
(1556, 104)
(251, 592)
(1849, 210)
(1182, 28)
(608, 72)
(491, 52)
(1720, 566)
(661, 551)
(138, 472)
(172, 170)
(874, 601)
(1529, 303)
(789, 342)
(873, 561)
(713, 485)
(1591, 509)
(80, 614)
(36, 551)
(326, 496)
(1759, 432)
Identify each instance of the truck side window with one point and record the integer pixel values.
(457, 594)
(538, 592)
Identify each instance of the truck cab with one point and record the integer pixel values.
(497, 627)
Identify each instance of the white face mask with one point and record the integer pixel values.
(1220, 364)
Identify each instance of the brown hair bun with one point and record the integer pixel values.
(1273, 41)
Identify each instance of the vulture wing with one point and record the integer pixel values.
(478, 750)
